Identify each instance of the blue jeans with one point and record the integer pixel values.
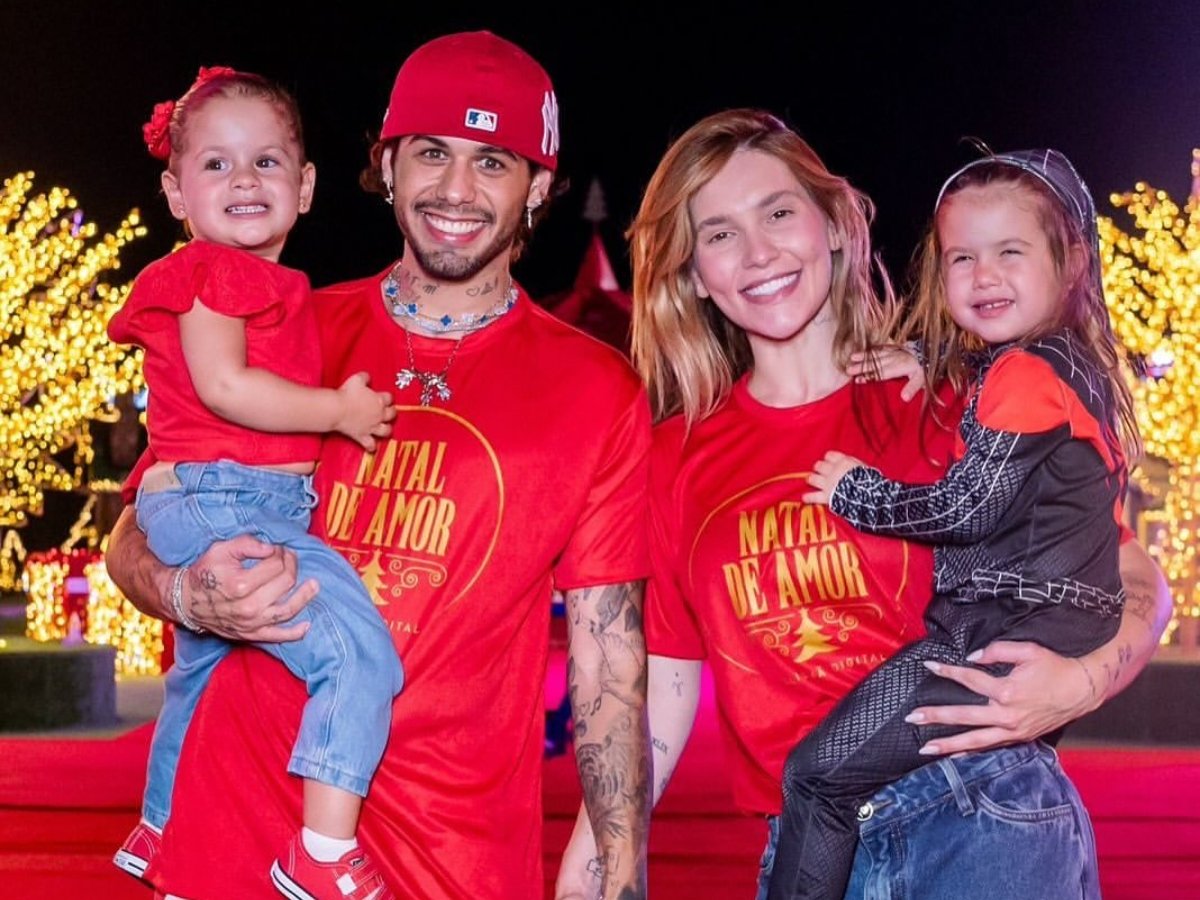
(347, 659)
(990, 826)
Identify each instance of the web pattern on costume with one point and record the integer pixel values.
(960, 511)
(864, 743)
(1073, 366)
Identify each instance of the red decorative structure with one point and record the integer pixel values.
(70, 599)
(57, 586)
(595, 303)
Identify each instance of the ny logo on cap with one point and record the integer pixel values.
(549, 124)
(481, 119)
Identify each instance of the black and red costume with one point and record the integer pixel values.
(1027, 524)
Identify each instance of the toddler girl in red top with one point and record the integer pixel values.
(1026, 522)
(235, 418)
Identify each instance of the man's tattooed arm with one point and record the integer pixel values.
(606, 679)
(135, 570)
(673, 694)
(218, 593)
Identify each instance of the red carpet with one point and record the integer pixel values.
(66, 804)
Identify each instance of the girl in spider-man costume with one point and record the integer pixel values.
(1027, 521)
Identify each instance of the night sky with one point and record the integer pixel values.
(884, 97)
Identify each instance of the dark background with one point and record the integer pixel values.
(883, 95)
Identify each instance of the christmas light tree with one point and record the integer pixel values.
(1152, 283)
(58, 371)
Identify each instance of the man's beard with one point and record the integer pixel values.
(451, 265)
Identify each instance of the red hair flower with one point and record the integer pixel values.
(157, 132)
(211, 73)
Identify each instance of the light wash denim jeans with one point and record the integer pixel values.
(347, 659)
(993, 825)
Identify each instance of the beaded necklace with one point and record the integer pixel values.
(434, 384)
(445, 324)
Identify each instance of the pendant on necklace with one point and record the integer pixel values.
(433, 384)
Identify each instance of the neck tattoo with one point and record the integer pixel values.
(401, 299)
(433, 384)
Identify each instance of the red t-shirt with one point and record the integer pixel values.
(788, 605)
(281, 337)
(532, 475)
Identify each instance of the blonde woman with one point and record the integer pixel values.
(757, 308)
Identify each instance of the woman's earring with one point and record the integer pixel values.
(389, 198)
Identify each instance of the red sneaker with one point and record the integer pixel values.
(298, 876)
(139, 848)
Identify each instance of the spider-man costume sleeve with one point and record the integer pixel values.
(1028, 402)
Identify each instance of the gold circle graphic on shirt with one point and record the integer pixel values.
(420, 513)
(791, 574)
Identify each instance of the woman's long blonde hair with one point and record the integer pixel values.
(687, 352)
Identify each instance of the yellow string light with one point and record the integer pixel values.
(58, 372)
(1152, 284)
(58, 369)
(12, 557)
(114, 620)
(45, 585)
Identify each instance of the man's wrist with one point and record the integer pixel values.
(175, 600)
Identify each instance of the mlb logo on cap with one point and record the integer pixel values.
(481, 119)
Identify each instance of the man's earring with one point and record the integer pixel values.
(389, 197)
(529, 215)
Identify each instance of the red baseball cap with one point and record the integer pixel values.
(477, 86)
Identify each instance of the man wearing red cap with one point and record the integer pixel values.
(516, 465)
